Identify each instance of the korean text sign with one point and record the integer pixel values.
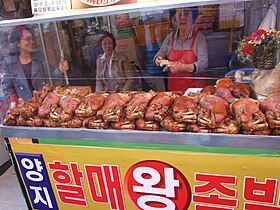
(115, 178)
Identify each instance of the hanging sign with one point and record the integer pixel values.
(77, 4)
(46, 6)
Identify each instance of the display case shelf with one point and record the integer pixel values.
(111, 10)
(155, 137)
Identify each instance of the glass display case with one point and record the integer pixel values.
(138, 106)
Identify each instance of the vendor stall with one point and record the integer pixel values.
(214, 146)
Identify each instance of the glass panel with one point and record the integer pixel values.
(175, 49)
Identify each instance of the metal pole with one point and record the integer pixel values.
(109, 24)
(45, 52)
(60, 49)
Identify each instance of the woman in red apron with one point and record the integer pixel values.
(186, 51)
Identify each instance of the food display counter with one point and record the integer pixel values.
(165, 168)
(234, 165)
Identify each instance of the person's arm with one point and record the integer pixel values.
(163, 51)
(127, 73)
(63, 66)
(55, 71)
(8, 87)
(99, 81)
(201, 53)
(58, 73)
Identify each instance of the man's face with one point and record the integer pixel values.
(27, 41)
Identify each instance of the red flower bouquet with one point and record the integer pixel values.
(259, 48)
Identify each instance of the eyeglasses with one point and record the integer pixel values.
(29, 39)
(107, 43)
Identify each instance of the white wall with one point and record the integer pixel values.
(255, 12)
(4, 156)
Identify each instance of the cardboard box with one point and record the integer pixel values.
(152, 33)
(128, 47)
(79, 4)
(208, 10)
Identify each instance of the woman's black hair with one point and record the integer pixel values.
(16, 33)
(111, 36)
(15, 37)
(172, 13)
(194, 11)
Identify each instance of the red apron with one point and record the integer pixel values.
(186, 57)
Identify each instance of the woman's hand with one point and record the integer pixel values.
(175, 66)
(158, 60)
(178, 66)
(63, 66)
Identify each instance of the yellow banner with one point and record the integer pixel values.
(117, 178)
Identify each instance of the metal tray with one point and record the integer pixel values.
(158, 137)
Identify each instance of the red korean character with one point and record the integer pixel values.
(251, 206)
(202, 207)
(78, 175)
(219, 184)
(260, 191)
(96, 181)
(114, 187)
(61, 172)
(70, 189)
(109, 182)
(260, 195)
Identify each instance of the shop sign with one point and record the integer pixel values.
(69, 177)
(77, 4)
(46, 6)
(99, 2)
(36, 180)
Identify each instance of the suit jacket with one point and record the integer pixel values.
(14, 79)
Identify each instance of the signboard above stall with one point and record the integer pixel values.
(45, 6)
(78, 4)
(69, 10)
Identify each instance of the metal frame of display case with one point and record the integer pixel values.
(112, 10)
(154, 137)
